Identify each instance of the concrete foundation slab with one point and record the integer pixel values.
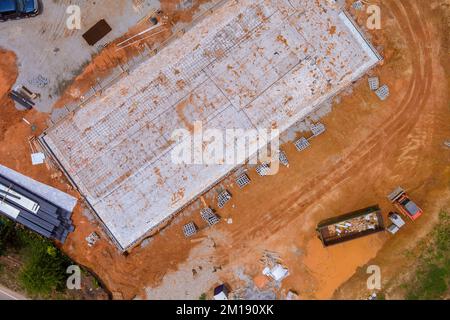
(249, 64)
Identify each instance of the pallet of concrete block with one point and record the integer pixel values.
(302, 144)
(383, 92)
(209, 216)
(190, 229)
(243, 180)
(358, 5)
(37, 214)
(223, 198)
(263, 169)
(374, 83)
(283, 158)
(317, 129)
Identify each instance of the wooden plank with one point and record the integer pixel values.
(97, 32)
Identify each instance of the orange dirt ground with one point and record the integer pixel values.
(110, 57)
(369, 148)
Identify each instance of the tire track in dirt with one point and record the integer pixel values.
(140, 269)
(433, 190)
(426, 68)
(360, 156)
(424, 64)
(400, 124)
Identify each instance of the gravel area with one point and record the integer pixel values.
(50, 55)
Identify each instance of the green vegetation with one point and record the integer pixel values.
(432, 278)
(8, 236)
(381, 296)
(95, 283)
(202, 297)
(44, 269)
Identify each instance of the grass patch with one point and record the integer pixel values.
(95, 283)
(432, 278)
(34, 266)
(8, 236)
(44, 268)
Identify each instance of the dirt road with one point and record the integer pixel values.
(425, 27)
(370, 148)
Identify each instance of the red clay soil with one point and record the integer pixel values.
(14, 132)
(169, 7)
(15, 152)
(427, 27)
(370, 147)
(8, 76)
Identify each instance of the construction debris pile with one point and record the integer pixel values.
(273, 267)
(354, 225)
(92, 239)
(350, 226)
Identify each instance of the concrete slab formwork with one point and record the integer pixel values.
(249, 64)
